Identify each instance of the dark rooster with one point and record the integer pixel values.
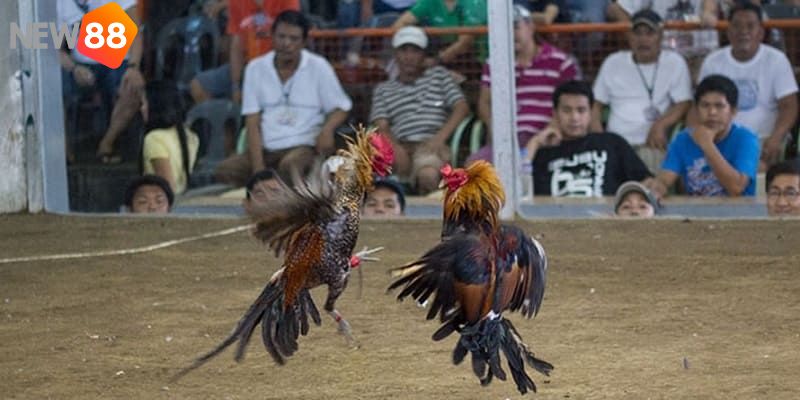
(480, 269)
(316, 230)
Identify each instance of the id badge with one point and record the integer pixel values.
(286, 117)
(651, 113)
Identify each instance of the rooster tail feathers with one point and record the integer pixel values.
(485, 340)
(280, 326)
(518, 354)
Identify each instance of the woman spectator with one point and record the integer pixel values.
(170, 149)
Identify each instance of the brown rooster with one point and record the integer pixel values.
(480, 269)
(317, 230)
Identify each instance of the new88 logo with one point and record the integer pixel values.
(106, 35)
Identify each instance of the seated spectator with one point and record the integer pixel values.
(648, 90)
(419, 110)
(292, 103)
(353, 13)
(170, 148)
(717, 157)
(386, 201)
(764, 78)
(149, 194)
(568, 161)
(249, 25)
(539, 68)
(546, 12)
(261, 187)
(634, 200)
(121, 87)
(444, 14)
(783, 189)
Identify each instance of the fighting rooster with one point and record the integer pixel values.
(316, 229)
(480, 269)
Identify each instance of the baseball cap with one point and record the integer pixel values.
(633, 186)
(520, 13)
(410, 35)
(647, 17)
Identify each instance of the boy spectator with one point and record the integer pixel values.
(419, 110)
(783, 189)
(717, 157)
(764, 78)
(568, 161)
(647, 89)
(634, 200)
(149, 194)
(260, 188)
(292, 103)
(539, 69)
(386, 201)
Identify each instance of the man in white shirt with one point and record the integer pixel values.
(292, 102)
(647, 89)
(764, 77)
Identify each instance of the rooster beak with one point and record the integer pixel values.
(442, 184)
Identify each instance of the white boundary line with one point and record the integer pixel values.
(135, 250)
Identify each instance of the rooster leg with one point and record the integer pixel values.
(344, 327)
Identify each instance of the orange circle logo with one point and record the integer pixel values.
(106, 35)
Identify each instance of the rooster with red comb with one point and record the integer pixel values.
(479, 270)
(315, 227)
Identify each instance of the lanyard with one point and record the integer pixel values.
(651, 87)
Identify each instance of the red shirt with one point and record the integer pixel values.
(253, 24)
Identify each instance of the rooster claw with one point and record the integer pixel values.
(347, 332)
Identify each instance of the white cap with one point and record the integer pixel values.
(410, 35)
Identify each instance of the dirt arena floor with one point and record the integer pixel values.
(663, 309)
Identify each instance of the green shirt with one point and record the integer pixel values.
(435, 13)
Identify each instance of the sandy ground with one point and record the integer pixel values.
(634, 310)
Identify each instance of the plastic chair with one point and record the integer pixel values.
(216, 113)
(190, 32)
(471, 126)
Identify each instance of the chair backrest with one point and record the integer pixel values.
(190, 33)
(216, 112)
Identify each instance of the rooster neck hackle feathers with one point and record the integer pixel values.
(477, 199)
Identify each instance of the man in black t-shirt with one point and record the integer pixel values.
(568, 161)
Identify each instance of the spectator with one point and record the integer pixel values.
(419, 110)
(444, 14)
(353, 13)
(546, 12)
(386, 201)
(149, 194)
(170, 148)
(717, 157)
(568, 161)
(783, 189)
(120, 86)
(292, 103)
(647, 89)
(261, 187)
(764, 78)
(249, 25)
(539, 68)
(634, 200)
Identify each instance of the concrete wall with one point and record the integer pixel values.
(13, 185)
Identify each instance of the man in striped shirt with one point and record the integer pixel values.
(539, 67)
(419, 110)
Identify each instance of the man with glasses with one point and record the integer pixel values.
(783, 189)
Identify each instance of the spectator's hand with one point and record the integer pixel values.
(434, 145)
(657, 137)
(703, 136)
(772, 150)
(84, 76)
(212, 8)
(132, 81)
(325, 144)
(547, 137)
